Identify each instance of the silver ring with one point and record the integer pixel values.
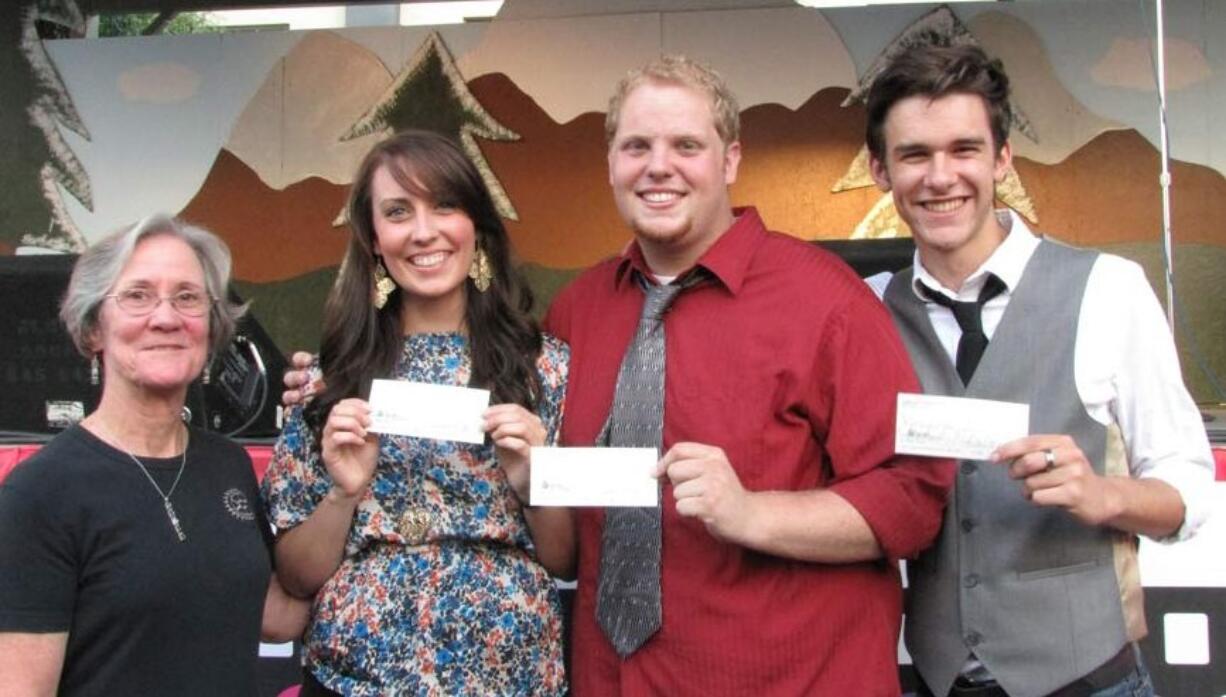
(1050, 458)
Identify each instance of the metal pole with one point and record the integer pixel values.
(1168, 267)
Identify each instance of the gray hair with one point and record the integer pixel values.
(100, 266)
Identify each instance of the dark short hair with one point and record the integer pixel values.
(936, 71)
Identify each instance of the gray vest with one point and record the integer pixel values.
(1030, 590)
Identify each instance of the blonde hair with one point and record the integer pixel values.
(679, 70)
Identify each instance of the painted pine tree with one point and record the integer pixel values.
(38, 161)
(429, 93)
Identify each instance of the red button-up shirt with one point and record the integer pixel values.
(788, 362)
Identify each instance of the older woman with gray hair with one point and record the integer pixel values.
(134, 547)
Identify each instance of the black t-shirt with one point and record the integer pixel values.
(86, 547)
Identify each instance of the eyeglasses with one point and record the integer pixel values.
(141, 301)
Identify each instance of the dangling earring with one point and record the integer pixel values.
(384, 285)
(94, 378)
(204, 377)
(479, 271)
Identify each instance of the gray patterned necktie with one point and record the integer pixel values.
(628, 594)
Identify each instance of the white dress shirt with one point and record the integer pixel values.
(1125, 363)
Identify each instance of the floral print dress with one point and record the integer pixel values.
(439, 591)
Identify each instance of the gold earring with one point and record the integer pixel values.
(384, 285)
(480, 272)
(93, 370)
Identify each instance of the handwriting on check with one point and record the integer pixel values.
(941, 426)
(945, 434)
(396, 418)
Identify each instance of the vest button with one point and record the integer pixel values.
(972, 639)
(969, 468)
(971, 580)
(967, 525)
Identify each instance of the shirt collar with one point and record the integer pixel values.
(1007, 262)
(727, 260)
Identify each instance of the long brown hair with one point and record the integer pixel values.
(361, 342)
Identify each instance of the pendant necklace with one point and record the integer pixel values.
(170, 509)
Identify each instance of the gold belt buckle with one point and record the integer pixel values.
(413, 526)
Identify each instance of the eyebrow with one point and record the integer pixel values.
(908, 148)
(393, 199)
(148, 284)
(667, 137)
(630, 136)
(971, 141)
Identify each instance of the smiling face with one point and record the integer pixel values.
(670, 173)
(941, 165)
(161, 352)
(427, 247)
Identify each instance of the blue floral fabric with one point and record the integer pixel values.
(439, 592)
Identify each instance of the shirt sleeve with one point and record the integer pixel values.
(878, 283)
(246, 472)
(296, 480)
(39, 581)
(552, 366)
(1128, 372)
(901, 497)
(557, 317)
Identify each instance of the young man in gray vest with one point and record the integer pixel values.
(1020, 595)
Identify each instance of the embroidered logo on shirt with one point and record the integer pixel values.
(237, 504)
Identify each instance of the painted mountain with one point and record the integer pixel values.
(277, 207)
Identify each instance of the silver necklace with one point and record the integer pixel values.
(170, 509)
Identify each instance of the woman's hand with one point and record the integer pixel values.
(514, 430)
(297, 379)
(349, 450)
(309, 553)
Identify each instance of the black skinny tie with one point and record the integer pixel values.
(970, 320)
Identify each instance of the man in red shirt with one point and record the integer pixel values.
(784, 506)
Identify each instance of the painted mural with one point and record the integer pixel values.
(255, 136)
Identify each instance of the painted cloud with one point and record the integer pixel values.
(159, 83)
(1128, 64)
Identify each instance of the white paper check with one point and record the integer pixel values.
(594, 477)
(958, 427)
(438, 412)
